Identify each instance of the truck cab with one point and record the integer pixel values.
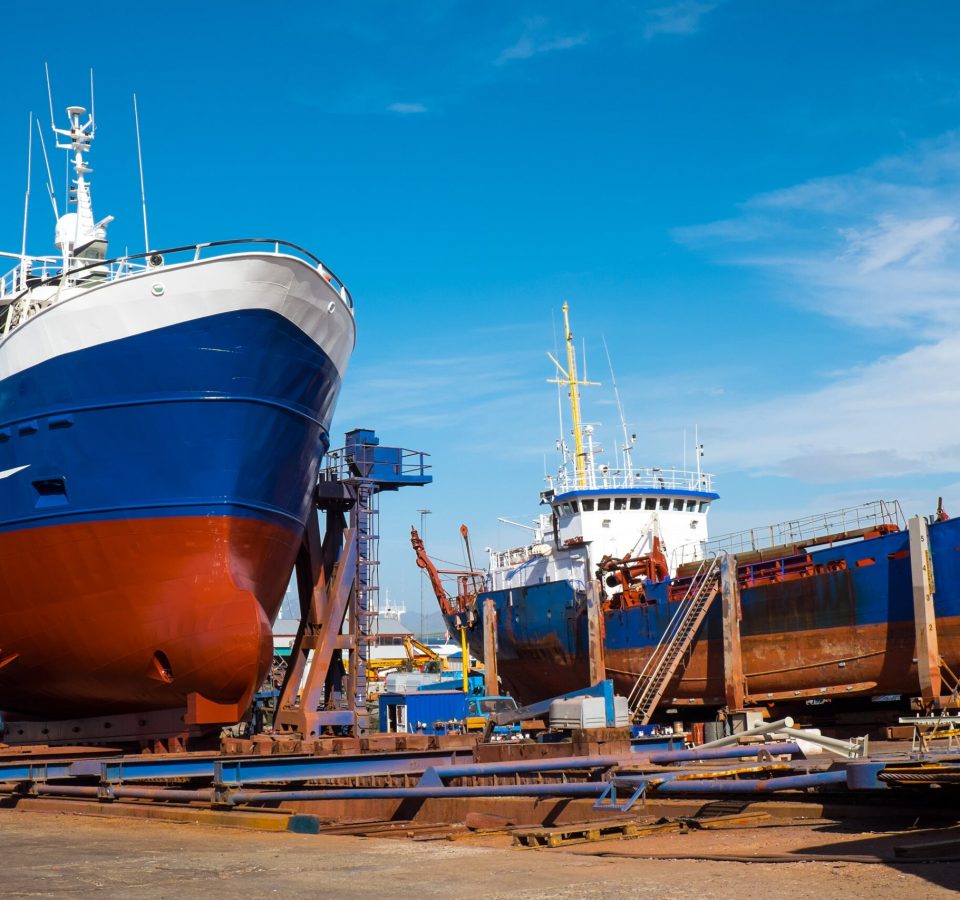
(479, 710)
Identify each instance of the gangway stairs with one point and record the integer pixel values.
(675, 642)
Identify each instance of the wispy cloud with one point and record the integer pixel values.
(536, 40)
(884, 238)
(881, 420)
(449, 398)
(682, 17)
(892, 240)
(407, 109)
(876, 249)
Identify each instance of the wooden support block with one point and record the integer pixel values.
(924, 614)
(598, 666)
(735, 684)
(491, 681)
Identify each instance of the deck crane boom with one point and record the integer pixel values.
(468, 580)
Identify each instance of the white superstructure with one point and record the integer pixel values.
(598, 511)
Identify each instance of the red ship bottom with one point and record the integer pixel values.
(109, 617)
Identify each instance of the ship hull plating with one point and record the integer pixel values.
(133, 615)
(160, 439)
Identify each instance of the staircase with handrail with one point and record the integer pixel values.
(674, 642)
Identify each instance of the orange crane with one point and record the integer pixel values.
(469, 581)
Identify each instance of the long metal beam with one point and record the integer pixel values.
(233, 770)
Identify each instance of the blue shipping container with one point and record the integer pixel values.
(423, 712)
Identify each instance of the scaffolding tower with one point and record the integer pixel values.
(338, 585)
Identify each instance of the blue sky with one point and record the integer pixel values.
(755, 204)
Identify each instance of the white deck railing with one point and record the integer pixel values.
(807, 530)
(603, 477)
(32, 273)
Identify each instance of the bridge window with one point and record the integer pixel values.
(588, 506)
(691, 506)
(635, 503)
(603, 503)
(650, 503)
(703, 506)
(620, 503)
(664, 503)
(678, 505)
(575, 505)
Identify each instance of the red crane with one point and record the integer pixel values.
(469, 581)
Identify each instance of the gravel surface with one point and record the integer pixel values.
(46, 854)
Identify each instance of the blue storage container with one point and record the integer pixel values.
(423, 712)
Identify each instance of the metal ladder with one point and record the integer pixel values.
(366, 516)
(674, 642)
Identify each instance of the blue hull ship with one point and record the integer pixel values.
(854, 605)
(162, 421)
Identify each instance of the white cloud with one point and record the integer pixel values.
(533, 42)
(407, 108)
(883, 239)
(682, 17)
(894, 240)
(885, 419)
(877, 249)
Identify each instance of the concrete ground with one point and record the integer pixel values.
(63, 854)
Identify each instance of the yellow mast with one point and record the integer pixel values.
(570, 379)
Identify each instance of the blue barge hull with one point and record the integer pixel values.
(847, 629)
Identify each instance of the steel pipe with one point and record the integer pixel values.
(760, 729)
(843, 748)
(750, 785)
(698, 753)
(121, 792)
(175, 795)
(67, 790)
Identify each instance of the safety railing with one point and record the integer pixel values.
(372, 462)
(33, 273)
(809, 529)
(653, 477)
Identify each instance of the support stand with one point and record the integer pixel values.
(924, 615)
(733, 679)
(491, 681)
(337, 584)
(598, 666)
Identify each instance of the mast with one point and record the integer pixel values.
(77, 235)
(573, 383)
(574, 397)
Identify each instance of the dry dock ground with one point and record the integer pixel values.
(61, 854)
